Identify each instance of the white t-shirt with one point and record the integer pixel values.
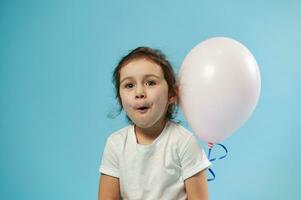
(155, 171)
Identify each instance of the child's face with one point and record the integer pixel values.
(144, 92)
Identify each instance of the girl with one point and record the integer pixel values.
(153, 158)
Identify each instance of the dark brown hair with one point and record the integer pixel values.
(157, 57)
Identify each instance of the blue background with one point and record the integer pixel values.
(56, 60)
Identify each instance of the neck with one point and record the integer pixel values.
(147, 135)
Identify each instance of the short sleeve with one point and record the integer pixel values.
(193, 158)
(110, 159)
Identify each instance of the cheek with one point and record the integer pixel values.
(162, 98)
(125, 100)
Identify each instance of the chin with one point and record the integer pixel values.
(143, 124)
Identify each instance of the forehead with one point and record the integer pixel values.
(140, 67)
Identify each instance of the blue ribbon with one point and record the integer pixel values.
(214, 159)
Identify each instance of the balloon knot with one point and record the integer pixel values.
(210, 145)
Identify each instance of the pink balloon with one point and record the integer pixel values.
(220, 85)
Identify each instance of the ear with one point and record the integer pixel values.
(174, 98)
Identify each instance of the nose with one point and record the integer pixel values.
(140, 93)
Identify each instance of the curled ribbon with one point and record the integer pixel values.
(210, 145)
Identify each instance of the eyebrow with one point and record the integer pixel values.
(146, 76)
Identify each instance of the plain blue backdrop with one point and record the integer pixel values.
(56, 61)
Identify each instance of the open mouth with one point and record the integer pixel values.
(143, 109)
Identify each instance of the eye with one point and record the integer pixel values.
(150, 83)
(129, 85)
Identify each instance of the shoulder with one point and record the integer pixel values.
(118, 137)
(179, 131)
(180, 134)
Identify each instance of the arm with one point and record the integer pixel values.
(196, 186)
(108, 188)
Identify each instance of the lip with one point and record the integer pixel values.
(142, 108)
(142, 111)
(145, 105)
